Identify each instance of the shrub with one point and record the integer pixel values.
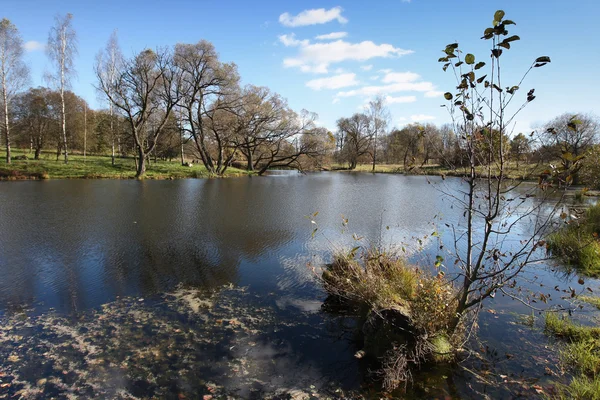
(406, 312)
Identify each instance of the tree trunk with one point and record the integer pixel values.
(250, 164)
(64, 123)
(374, 151)
(182, 155)
(84, 131)
(112, 134)
(6, 129)
(36, 156)
(141, 165)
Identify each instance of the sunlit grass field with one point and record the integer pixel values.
(96, 167)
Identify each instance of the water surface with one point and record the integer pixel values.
(77, 252)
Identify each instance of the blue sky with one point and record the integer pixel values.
(389, 47)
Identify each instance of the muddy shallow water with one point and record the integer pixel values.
(200, 288)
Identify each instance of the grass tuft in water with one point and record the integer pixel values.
(577, 243)
(581, 354)
(406, 312)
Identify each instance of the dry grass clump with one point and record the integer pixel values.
(407, 311)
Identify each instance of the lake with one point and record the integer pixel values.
(192, 288)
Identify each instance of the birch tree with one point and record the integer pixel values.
(108, 63)
(379, 117)
(61, 50)
(14, 73)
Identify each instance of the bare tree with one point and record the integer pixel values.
(14, 74)
(210, 91)
(379, 117)
(356, 136)
(33, 114)
(573, 134)
(268, 131)
(108, 63)
(146, 90)
(62, 49)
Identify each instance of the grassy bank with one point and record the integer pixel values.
(97, 167)
(580, 354)
(512, 170)
(578, 244)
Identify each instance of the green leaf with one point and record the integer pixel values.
(504, 44)
(481, 79)
(543, 59)
(470, 59)
(480, 64)
(508, 22)
(458, 64)
(448, 96)
(498, 15)
(512, 38)
(488, 33)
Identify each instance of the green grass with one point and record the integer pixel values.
(595, 301)
(581, 353)
(577, 243)
(98, 167)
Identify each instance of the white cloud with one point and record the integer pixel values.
(339, 71)
(421, 117)
(400, 77)
(366, 67)
(374, 77)
(433, 93)
(388, 89)
(313, 17)
(400, 99)
(393, 82)
(332, 36)
(32, 45)
(333, 82)
(316, 57)
(291, 41)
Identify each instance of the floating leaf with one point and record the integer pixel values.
(470, 59)
(498, 15)
(448, 96)
(480, 64)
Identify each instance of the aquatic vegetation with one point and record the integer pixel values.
(577, 243)
(595, 301)
(405, 312)
(174, 346)
(581, 354)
